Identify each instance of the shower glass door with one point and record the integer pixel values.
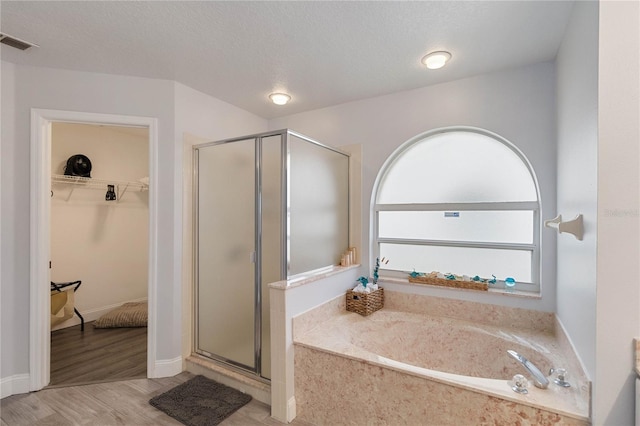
(267, 207)
(226, 252)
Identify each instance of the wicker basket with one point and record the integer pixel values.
(443, 282)
(365, 303)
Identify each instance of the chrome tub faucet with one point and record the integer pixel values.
(539, 379)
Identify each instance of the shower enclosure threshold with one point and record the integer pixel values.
(258, 388)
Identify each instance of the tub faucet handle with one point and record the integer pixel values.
(539, 380)
(561, 377)
(519, 384)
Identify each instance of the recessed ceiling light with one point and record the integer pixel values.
(435, 60)
(279, 98)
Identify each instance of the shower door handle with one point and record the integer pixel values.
(252, 257)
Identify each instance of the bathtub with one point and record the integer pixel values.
(397, 367)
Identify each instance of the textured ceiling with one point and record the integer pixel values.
(321, 53)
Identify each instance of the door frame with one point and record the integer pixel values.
(40, 233)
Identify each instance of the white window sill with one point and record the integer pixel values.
(492, 291)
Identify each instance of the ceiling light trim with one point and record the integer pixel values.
(280, 98)
(436, 60)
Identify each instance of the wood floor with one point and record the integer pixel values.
(101, 356)
(113, 403)
(96, 355)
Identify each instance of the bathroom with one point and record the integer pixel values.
(550, 110)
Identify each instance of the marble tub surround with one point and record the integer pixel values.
(482, 313)
(344, 391)
(289, 299)
(423, 347)
(315, 317)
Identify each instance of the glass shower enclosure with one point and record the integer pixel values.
(267, 207)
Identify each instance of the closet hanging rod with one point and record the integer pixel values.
(93, 183)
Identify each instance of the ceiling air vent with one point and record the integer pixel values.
(15, 42)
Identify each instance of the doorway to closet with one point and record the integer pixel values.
(99, 246)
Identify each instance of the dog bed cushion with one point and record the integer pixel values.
(131, 314)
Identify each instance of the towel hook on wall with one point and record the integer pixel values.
(573, 226)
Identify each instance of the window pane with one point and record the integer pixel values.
(459, 260)
(488, 226)
(458, 166)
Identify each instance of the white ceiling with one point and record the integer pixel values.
(321, 53)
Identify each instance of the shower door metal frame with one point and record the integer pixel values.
(257, 368)
(284, 236)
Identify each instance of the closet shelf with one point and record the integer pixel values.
(92, 183)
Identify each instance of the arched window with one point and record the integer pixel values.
(462, 201)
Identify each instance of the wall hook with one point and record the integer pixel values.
(573, 226)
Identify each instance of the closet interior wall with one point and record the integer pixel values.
(103, 243)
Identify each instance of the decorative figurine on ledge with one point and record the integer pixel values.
(375, 270)
(415, 274)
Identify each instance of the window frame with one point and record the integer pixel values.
(531, 206)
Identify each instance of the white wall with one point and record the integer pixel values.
(577, 74)
(518, 104)
(618, 290)
(15, 247)
(210, 118)
(179, 110)
(90, 92)
(103, 243)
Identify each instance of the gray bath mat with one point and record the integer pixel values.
(200, 402)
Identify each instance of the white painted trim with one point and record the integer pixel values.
(177, 290)
(39, 244)
(188, 326)
(40, 187)
(152, 291)
(2, 395)
(291, 409)
(92, 314)
(167, 367)
(18, 383)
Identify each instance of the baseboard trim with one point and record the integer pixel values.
(291, 409)
(92, 314)
(12, 385)
(167, 367)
